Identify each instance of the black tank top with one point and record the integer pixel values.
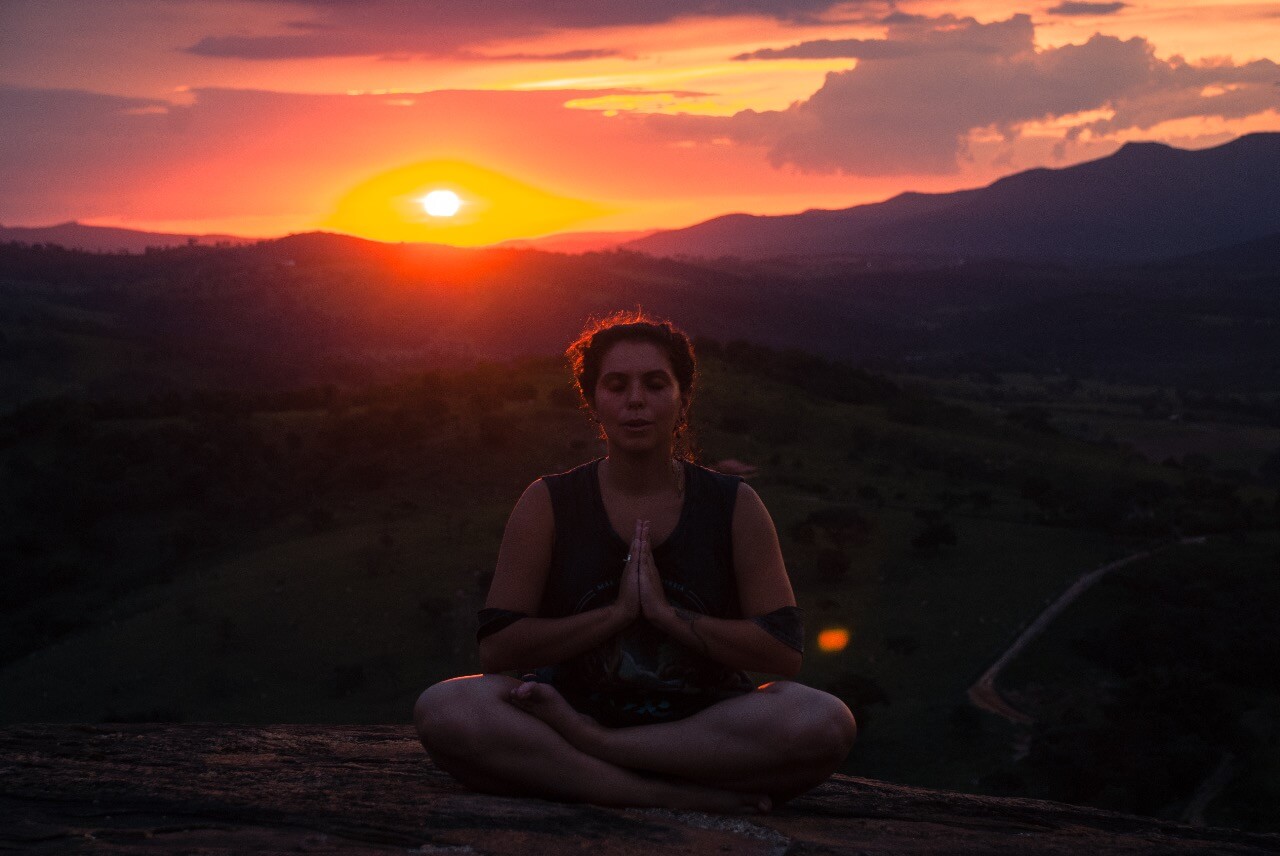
(642, 664)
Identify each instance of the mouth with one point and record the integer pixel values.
(636, 423)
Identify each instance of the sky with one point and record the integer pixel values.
(261, 118)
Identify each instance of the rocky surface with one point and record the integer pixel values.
(213, 789)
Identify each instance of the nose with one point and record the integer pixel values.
(635, 394)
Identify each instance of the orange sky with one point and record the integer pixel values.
(261, 118)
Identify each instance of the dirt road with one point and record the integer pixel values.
(984, 695)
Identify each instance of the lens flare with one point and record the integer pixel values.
(833, 639)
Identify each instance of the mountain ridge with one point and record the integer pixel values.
(1146, 201)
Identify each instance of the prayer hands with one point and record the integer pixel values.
(653, 600)
(628, 603)
(640, 591)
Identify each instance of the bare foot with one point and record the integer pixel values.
(545, 702)
(585, 734)
(698, 798)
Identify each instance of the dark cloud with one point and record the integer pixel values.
(447, 27)
(317, 44)
(910, 35)
(325, 42)
(562, 56)
(1076, 7)
(912, 101)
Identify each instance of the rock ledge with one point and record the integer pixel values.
(214, 789)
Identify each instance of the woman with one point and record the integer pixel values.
(637, 647)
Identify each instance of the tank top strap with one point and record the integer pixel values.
(712, 499)
(572, 502)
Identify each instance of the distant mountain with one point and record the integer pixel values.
(104, 239)
(1258, 256)
(577, 242)
(1147, 201)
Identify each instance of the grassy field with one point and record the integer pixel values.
(1155, 421)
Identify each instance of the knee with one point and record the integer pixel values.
(843, 726)
(822, 727)
(430, 710)
(446, 714)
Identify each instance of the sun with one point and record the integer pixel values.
(454, 202)
(441, 203)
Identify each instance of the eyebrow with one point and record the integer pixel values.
(661, 372)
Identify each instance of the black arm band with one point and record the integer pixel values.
(491, 620)
(784, 624)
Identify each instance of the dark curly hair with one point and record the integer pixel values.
(587, 352)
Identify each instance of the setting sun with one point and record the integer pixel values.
(441, 203)
(454, 202)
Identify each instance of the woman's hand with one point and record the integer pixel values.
(627, 606)
(653, 599)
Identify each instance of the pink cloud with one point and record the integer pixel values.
(914, 98)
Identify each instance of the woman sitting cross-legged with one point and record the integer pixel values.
(635, 649)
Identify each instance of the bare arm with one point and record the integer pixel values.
(518, 582)
(763, 586)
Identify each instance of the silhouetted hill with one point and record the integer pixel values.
(1259, 256)
(103, 239)
(578, 242)
(310, 308)
(1147, 201)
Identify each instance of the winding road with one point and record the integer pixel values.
(984, 695)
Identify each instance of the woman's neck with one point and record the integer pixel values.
(637, 475)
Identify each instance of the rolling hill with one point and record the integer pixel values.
(105, 239)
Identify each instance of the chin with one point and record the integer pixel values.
(629, 446)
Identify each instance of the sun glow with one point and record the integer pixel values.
(454, 202)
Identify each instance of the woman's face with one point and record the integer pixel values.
(637, 398)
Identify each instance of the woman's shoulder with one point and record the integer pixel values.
(722, 486)
(573, 489)
(580, 474)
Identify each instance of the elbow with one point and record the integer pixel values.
(496, 658)
(784, 664)
(491, 660)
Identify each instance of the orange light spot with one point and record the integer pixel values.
(833, 639)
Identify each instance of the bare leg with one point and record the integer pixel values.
(475, 734)
(783, 739)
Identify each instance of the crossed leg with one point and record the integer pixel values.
(497, 735)
(472, 731)
(782, 739)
